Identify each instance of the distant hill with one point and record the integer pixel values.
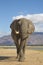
(6, 41)
(34, 39)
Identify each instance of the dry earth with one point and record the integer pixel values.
(32, 57)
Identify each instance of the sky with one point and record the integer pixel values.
(13, 9)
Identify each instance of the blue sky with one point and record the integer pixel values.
(13, 8)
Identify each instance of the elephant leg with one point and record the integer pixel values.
(24, 47)
(15, 38)
(17, 47)
(22, 50)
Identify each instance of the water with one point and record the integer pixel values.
(28, 47)
(36, 47)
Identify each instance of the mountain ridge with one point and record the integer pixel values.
(34, 39)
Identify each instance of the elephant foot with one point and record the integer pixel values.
(17, 57)
(21, 59)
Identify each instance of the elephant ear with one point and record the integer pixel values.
(31, 28)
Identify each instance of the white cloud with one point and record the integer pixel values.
(4, 33)
(38, 28)
(36, 19)
(17, 17)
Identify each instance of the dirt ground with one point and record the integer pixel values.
(32, 57)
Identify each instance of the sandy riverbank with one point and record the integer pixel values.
(32, 57)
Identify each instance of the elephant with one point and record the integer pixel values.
(16, 37)
(21, 29)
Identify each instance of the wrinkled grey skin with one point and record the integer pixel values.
(16, 37)
(25, 28)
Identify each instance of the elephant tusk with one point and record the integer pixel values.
(17, 32)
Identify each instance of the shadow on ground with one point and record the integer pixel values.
(8, 58)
